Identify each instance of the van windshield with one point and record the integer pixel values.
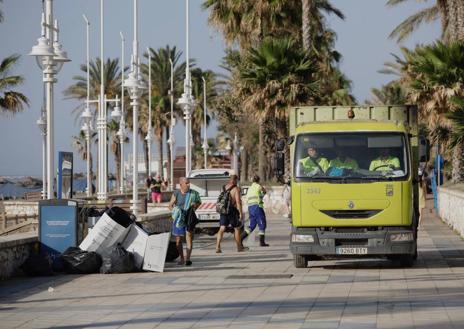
(351, 156)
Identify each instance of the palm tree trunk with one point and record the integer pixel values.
(460, 20)
(306, 24)
(458, 164)
(443, 9)
(452, 21)
(145, 152)
(261, 158)
(243, 165)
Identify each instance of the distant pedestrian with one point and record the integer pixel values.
(286, 196)
(422, 197)
(234, 217)
(182, 202)
(156, 185)
(256, 212)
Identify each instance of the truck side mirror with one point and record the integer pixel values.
(279, 164)
(424, 148)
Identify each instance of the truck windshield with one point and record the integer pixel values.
(351, 156)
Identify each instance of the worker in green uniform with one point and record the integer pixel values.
(313, 163)
(385, 162)
(342, 161)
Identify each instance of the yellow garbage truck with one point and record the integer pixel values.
(354, 182)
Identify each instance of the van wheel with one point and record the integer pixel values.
(300, 261)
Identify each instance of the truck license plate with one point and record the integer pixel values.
(351, 251)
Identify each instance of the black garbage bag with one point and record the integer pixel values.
(119, 261)
(79, 261)
(37, 265)
(120, 216)
(172, 253)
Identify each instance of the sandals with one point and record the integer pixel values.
(218, 251)
(241, 249)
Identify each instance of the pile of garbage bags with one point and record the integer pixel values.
(116, 244)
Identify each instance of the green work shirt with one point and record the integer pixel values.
(309, 164)
(382, 164)
(347, 163)
(255, 195)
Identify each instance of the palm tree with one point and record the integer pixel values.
(435, 75)
(112, 82)
(161, 85)
(11, 101)
(79, 142)
(198, 112)
(450, 13)
(276, 75)
(391, 93)
(248, 22)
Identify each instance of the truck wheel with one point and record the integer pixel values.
(406, 260)
(300, 261)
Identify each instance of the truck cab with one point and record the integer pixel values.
(354, 183)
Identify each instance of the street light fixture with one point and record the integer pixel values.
(171, 141)
(187, 100)
(205, 139)
(50, 58)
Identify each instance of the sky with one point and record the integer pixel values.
(362, 41)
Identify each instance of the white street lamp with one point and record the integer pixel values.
(42, 124)
(149, 136)
(50, 58)
(134, 83)
(205, 139)
(87, 115)
(187, 100)
(171, 140)
(122, 124)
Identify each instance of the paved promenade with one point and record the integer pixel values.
(257, 289)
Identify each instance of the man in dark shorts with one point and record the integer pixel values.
(234, 217)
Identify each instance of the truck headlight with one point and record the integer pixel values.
(398, 237)
(302, 238)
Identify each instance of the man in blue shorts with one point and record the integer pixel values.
(181, 201)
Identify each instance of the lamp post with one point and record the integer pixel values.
(42, 124)
(187, 100)
(87, 115)
(149, 136)
(171, 140)
(205, 139)
(50, 58)
(122, 124)
(134, 83)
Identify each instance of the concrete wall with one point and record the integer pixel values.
(451, 208)
(14, 249)
(29, 208)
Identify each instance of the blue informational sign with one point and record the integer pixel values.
(57, 226)
(65, 175)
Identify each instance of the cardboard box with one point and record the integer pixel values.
(155, 252)
(136, 242)
(104, 235)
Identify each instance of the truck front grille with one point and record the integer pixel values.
(351, 214)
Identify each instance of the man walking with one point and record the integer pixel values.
(234, 217)
(255, 196)
(181, 202)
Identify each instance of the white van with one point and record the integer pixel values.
(209, 183)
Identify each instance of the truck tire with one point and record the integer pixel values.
(300, 261)
(406, 260)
